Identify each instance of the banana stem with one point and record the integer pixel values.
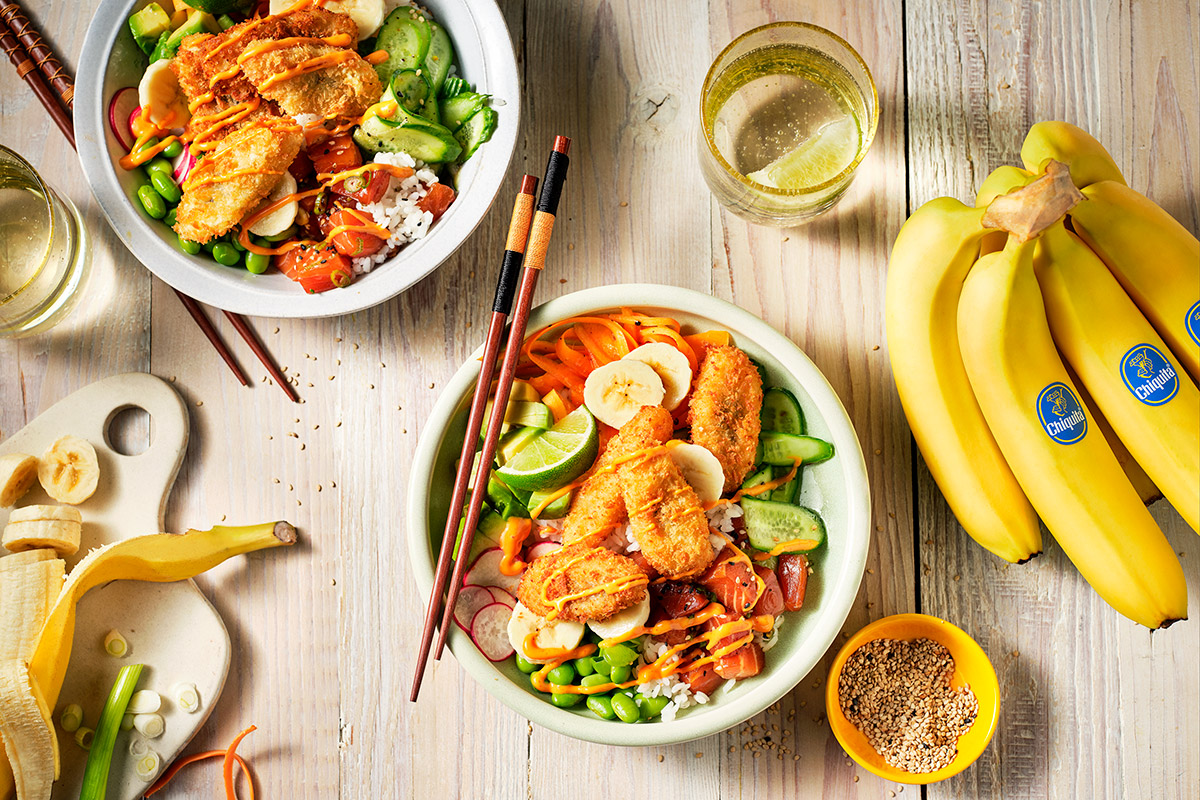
(1026, 212)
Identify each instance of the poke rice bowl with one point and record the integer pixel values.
(836, 488)
(483, 55)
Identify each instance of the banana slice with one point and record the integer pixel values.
(616, 391)
(671, 366)
(69, 471)
(557, 634)
(623, 622)
(47, 513)
(159, 92)
(701, 470)
(367, 14)
(281, 218)
(62, 536)
(18, 471)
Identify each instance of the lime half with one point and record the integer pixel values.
(815, 160)
(556, 457)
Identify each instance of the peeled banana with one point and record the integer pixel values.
(18, 472)
(670, 365)
(27, 733)
(1152, 405)
(1154, 257)
(1088, 160)
(69, 470)
(55, 527)
(1063, 463)
(929, 262)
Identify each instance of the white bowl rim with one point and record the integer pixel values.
(698, 722)
(232, 292)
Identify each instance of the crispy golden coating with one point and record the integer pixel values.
(598, 508)
(586, 568)
(242, 172)
(724, 411)
(345, 88)
(666, 517)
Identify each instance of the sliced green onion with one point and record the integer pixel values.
(115, 644)
(146, 701)
(138, 746)
(149, 725)
(127, 722)
(186, 697)
(71, 718)
(147, 766)
(95, 774)
(84, 737)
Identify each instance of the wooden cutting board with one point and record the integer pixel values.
(170, 627)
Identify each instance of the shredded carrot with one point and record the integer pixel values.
(566, 376)
(702, 341)
(544, 384)
(572, 358)
(672, 337)
(630, 317)
(180, 763)
(230, 755)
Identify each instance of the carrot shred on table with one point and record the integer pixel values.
(230, 755)
(182, 762)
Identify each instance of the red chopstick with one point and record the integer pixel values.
(539, 240)
(36, 64)
(514, 250)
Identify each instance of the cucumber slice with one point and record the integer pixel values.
(475, 131)
(788, 492)
(782, 449)
(453, 87)
(411, 90)
(405, 37)
(757, 479)
(781, 412)
(408, 133)
(438, 56)
(368, 142)
(458, 109)
(769, 525)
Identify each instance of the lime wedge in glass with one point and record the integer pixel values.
(556, 457)
(815, 160)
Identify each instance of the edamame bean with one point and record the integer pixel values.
(565, 700)
(234, 240)
(188, 246)
(523, 663)
(159, 165)
(170, 217)
(584, 666)
(625, 708)
(153, 140)
(651, 707)
(224, 253)
(618, 655)
(165, 185)
(601, 666)
(595, 679)
(152, 202)
(561, 675)
(173, 150)
(601, 706)
(257, 263)
(620, 673)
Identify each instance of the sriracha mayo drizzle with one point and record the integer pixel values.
(618, 584)
(645, 453)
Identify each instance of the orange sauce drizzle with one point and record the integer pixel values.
(645, 453)
(790, 546)
(333, 177)
(516, 530)
(740, 556)
(378, 57)
(762, 488)
(193, 181)
(618, 584)
(311, 65)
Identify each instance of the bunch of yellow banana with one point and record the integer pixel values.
(37, 624)
(1060, 257)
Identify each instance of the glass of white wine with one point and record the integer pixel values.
(787, 113)
(44, 250)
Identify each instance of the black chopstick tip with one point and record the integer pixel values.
(562, 145)
(529, 185)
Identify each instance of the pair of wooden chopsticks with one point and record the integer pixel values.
(529, 234)
(50, 81)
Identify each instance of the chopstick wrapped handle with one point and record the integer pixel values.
(543, 220)
(40, 53)
(514, 248)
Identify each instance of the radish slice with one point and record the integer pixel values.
(486, 571)
(489, 631)
(121, 110)
(183, 165)
(541, 549)
(501, 596)
(470, 600)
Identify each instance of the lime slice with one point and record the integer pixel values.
(815, 160)
(556, 457)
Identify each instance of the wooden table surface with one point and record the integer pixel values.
(324, 634)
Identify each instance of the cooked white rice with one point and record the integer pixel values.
(671, 686)
(397, 210)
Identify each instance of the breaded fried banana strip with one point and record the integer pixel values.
(724, 412)
(667, 520)
(585, 568)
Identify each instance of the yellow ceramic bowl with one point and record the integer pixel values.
(971, 667)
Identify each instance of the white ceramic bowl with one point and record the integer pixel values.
(111, 61)
(837, 488)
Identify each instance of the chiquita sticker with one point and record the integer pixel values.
(1061, 414)
(1192, 323)
(1149, 375)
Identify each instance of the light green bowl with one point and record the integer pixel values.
(837, 488)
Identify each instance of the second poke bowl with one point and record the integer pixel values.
(679, 559)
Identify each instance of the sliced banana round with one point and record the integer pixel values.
(367, 14)
(62, 536)
(615, 392)
(69, 471)
(701, 470)
(49, 513)
(671, 366)
(159, 93)
(559, 634)
(18, 472)
(281, 218)
(624, 621)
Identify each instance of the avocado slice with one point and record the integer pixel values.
(148, 26)
(197, 22)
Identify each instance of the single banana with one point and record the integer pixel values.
(18, 472)
(616, 391)
(161, 97)
(1000, 181)
(672, 367)
(1063, 463)
(701, 469)
(27, 734)
(1089, 161)
(1153, 407)
(550, 634)
(623, 621)
(69, 470)
(929, 262)
(1154, 257)
(1133, 471)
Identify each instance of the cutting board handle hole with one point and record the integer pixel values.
(128, 430)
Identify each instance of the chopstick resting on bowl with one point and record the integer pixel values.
(36, 64)
(535, 260)
(506, 284)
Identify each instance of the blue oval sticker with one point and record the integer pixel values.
(1061, 414)
(1192, 323)
(1149, 375)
